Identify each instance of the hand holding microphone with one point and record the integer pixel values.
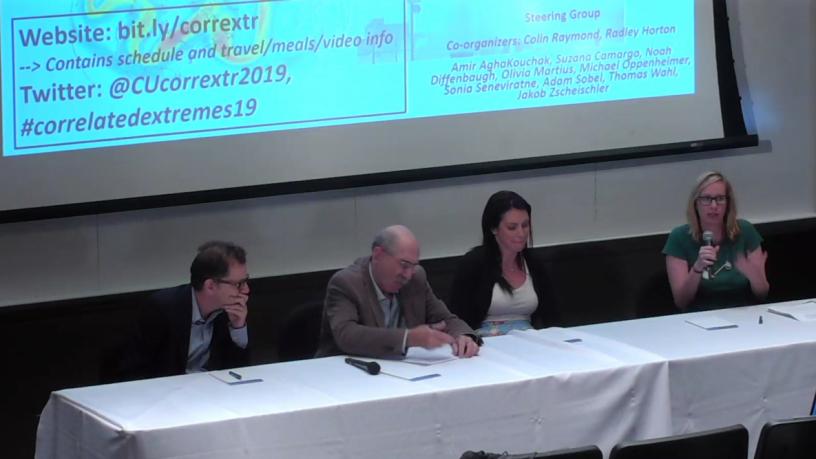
(707, 255)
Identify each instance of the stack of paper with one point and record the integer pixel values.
(711, 323)
(414, 366)
(422, 356)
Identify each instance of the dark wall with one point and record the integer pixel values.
(62, 344)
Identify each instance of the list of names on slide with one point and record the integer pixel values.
(552, 53)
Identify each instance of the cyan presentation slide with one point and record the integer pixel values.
(81, 74)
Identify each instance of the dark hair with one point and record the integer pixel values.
(213, 260)
(498, 204)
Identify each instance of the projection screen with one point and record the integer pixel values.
(112, 104)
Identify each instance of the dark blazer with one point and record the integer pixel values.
(161, 340)
(472, 289)
(353, 322)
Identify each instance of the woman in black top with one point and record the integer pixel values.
(500, 285)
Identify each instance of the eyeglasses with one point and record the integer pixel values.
(406, 265)
(237, 284)
(706, 200)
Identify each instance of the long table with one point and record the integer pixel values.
(757, 372)
(536, 390)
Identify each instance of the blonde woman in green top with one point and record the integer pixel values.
(730, 271)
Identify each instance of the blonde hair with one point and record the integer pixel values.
(731, 227)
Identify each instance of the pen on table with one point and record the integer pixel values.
(234, 375)
(760, 320)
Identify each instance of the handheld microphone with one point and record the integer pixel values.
(708, 241)
(371, 368)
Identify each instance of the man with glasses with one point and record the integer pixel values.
(382, 304)
(194, 327)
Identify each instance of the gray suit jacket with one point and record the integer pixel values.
(353, 320)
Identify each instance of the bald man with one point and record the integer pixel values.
(382, 304)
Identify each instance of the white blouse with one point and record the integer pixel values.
(518, 306)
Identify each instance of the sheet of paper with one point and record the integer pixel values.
(711, 323)
(422, 356)
(406, 371)
(804, 311)
(233, 377)
(584, 346)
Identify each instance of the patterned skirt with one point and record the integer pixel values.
(502, 327)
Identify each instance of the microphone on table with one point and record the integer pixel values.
(371, 368)
(708, 241)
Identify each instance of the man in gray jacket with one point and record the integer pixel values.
(381, 305)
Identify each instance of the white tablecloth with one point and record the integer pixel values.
(747, 375)
(524, 392)
(521, 393)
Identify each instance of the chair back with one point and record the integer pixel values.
(788, 439)
(588, 452)
(726, 443)
(300, 332)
